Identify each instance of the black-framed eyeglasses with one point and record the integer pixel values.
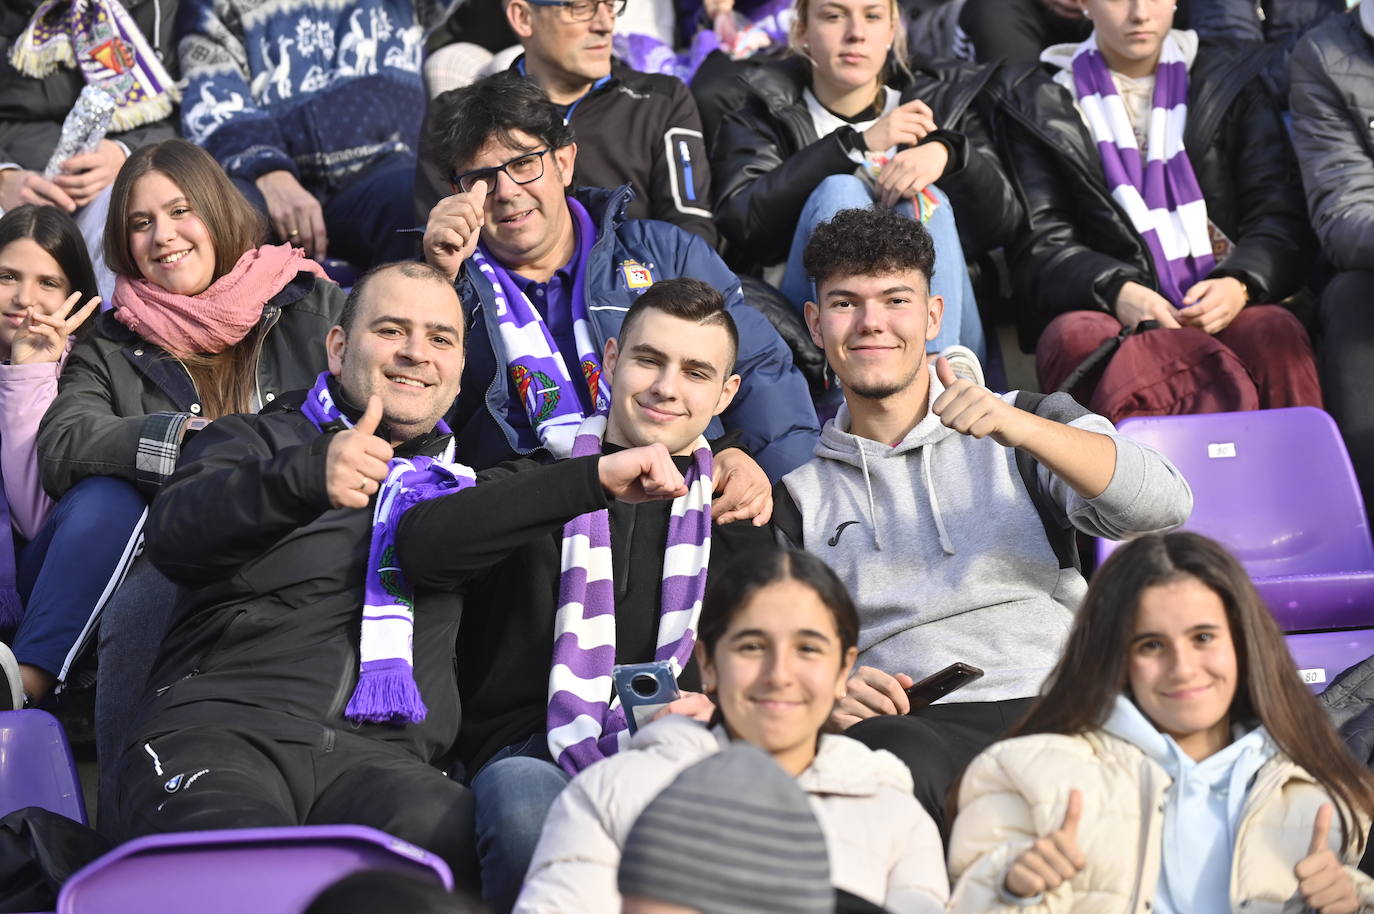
(522, 170)
(582, 10)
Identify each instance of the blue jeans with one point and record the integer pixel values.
(90, 538)
(364, 218)
(961, 323)
(513, 793)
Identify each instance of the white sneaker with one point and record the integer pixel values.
(11, 686)
(964, 363)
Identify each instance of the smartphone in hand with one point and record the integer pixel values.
(938, 685)
(644, 689)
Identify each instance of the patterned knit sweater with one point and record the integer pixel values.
(319, 88)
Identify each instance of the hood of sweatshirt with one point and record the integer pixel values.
(1202, 808)
(838, 443)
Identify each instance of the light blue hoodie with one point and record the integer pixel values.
(1202, 810)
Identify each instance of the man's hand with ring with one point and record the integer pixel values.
(295, 213)
(357, 453)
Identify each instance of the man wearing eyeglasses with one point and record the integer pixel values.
(633, 128)
(547, 277)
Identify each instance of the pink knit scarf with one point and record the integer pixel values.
(217, 318)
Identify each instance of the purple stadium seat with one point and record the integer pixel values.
(255, 870)
(341, 271)
(36, 767)
(1322, 656)
(1276, 487)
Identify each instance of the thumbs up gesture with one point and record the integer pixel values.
(971, 409)
(454, 228)
(356, 463)
(1051, 860)
(1325, 884)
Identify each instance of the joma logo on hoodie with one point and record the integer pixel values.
(835, 540)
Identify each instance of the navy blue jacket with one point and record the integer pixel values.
(772, 411)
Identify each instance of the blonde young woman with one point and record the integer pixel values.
(1175, 763)
(847, 122)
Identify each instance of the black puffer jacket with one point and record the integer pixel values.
(1333, 130)
(121, 399)
(767, 159)
(1080, 247)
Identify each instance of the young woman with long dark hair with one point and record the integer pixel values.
(775, 643)
(1174, 763)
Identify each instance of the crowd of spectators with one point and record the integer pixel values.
(663, 346)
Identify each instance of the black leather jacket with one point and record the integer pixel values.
(1079, 248)
(767, 159)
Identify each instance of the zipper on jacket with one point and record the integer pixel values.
(264, 328)
(195, 672)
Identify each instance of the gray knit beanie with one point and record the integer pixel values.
(734, 834)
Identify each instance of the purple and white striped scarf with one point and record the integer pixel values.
(765, 27)
(386, 692)
(584, 724)
(1161, 198)
(99, 38)
(538, 370)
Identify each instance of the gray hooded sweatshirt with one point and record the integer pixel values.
(945, 554)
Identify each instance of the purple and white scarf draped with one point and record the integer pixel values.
(386, 692)
(539, 371)
(584, 723)
(101, 39)
(1161, 198)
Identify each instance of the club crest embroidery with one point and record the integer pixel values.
(592, 372)
(637, 276)
(537, 390)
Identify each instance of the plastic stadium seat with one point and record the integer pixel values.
(1277, 489)
(1322, 656)
(254, 870)
(36, 767)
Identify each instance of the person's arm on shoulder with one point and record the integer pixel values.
(680, 178)
(1337, 168)
(444, 541)
(232, 498)
(772, 410)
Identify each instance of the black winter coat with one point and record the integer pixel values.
(271, 619)
(1080, 248)
(120, 399)
(767, 159)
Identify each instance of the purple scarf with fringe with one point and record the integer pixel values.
(1161, 198)
(386, 692)
(584, 726)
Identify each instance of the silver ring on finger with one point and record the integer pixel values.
(362, 486)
